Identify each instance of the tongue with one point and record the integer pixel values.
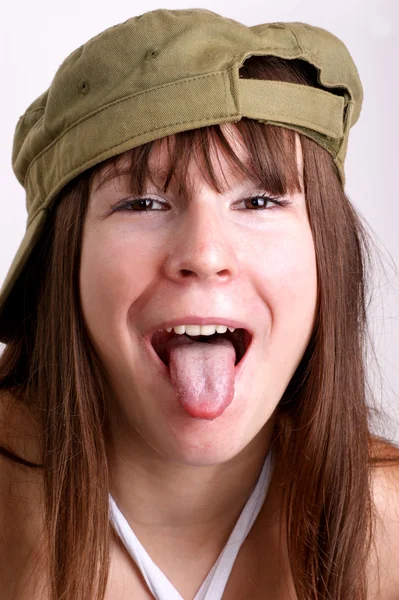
(202, 375)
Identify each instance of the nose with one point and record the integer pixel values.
(203, 246)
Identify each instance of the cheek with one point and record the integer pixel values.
(293, 274)
(114, 271)
(287, 283)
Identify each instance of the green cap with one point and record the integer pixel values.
(168, 71)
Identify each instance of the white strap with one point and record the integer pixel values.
(216, 581)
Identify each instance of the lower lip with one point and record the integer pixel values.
(166, 373)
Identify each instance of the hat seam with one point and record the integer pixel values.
(230, 114)
(316, 59)
(226, 75)
(113, 103)
(30, 112)
(347, 125)
(264, 53)
(312, 55)
(38, 122)
(294, 35)
(305, 49)
(78, 167)
(51, 194)
(303, 125)
(315, 91)
(142, 93)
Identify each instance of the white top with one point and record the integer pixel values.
(215, 583)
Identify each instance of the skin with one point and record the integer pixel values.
(254, 265)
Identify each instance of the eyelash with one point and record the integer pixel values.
(127, 204)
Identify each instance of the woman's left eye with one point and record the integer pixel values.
(253, 202)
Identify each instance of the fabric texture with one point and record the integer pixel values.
(215, 583)
(164, 72)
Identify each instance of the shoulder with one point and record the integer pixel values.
(384, 559)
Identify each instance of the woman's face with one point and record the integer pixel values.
(212, 256)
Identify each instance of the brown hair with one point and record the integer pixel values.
(322, 431)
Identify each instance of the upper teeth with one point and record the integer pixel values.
(200, 329)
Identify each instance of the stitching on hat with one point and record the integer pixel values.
(268, 52)
(314, 90)
(37, 123)
(313, 56)
(42, 208)
(120, 100)
(233, 114)
(350, 107)
(305, 49)
(304, 124)
(30, 112)
(319, 91)
(78, 167)
(225, 91)
(294, 35)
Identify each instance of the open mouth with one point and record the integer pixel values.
(240, 338)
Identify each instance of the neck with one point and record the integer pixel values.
(161, 498)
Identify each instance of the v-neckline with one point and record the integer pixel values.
(214, 584)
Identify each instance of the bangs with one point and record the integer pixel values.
(270, 160)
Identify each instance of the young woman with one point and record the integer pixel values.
(184, 409)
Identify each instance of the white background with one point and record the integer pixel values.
(37, 36)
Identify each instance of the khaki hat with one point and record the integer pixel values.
(168, 71)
